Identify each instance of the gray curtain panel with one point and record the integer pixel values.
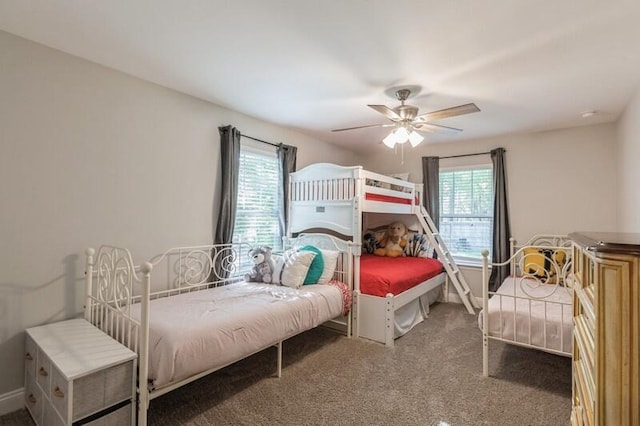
(501, 226)
(287, 159)
(230, 170)
(431, 181)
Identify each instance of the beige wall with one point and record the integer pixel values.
(559, 181)
(89, 155)
(629, 168)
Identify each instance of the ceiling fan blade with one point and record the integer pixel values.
(435, 128)
(363, 127)
(386, 111)
(448, 112)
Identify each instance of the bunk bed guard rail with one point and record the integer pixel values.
(329, 196)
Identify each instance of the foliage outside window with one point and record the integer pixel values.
(466, 212)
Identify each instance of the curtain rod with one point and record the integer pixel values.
(469, 155)
(259, 140)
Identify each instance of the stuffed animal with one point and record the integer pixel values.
(263, 265)
(393, 242)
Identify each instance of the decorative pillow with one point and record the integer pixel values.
(417, 245)
(347, 296)
(292, 267)
(330, 258)
(371, 239)
(369, 243)
(537, 262)
(316, 267)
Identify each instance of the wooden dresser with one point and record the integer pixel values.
(76, 374)
(606, 338)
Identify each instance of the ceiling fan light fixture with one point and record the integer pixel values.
(402, 135)
(390, 140)
(415, 138)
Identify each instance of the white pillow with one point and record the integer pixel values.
(403, 176)
(291, 268)
(330, 258)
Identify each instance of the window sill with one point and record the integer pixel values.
(470, 265)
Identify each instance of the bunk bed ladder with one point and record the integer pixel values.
(444, 255)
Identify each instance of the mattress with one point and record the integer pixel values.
(208, 329)
(556, 322)
(389, 199)
(380, 276)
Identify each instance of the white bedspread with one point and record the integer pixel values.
(558, 323)
(194, 332)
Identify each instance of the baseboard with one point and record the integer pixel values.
(11, 401)
(455, 298)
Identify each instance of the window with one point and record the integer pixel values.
(466, 212)
(257, 220)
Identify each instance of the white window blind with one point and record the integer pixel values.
(466, 212)
(258, 203)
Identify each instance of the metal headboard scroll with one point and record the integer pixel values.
(200, 266)
(551, 277)
(115, 277)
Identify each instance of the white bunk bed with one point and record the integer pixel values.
(202, 315)
(533, 306)
(331, 197)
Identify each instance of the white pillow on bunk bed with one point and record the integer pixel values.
(402, 176)
(291, 268)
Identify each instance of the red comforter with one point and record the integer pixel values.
(382, 275)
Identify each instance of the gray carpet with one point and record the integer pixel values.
(432, 377)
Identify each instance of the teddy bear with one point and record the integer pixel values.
(263, 265)
(393, 242)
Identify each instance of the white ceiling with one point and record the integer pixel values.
(314, 65)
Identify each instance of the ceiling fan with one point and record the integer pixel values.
(406, 122)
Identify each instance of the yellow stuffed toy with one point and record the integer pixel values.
(393, 242)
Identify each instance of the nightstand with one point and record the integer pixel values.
(76, 373)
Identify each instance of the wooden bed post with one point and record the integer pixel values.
(354, 276)
(349, 278)
(88, 285)
(389, 330)
(355, 331)
(143, 375)
(485, 313)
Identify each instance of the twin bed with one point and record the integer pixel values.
(533, 306)
(201, 315)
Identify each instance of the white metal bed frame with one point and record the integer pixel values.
(114, 283)
(517, 266)
(333, 197)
